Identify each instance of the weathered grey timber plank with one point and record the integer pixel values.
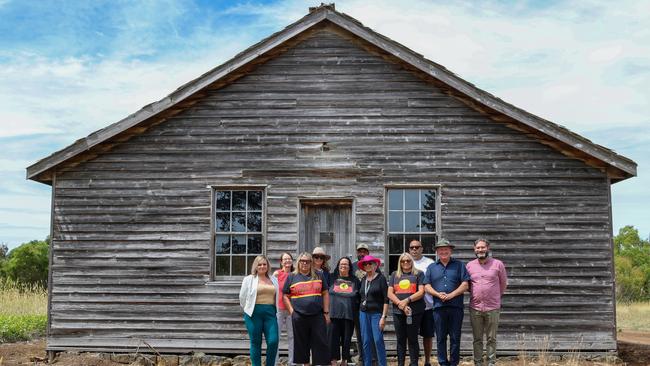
(132, 240)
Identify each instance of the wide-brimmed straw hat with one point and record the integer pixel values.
(320, 251)
(367, 259)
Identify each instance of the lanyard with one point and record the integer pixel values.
(368, 284)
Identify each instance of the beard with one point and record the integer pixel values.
(482, 255)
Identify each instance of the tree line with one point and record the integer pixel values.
(632, 263)
(28, 264)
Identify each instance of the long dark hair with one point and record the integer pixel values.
(290, 256)
(336, 273)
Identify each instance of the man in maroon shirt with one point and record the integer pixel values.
(488, 283)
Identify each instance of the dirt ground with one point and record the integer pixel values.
(634, 350)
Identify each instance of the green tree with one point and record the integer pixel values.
(632, 264)
(3, 258)
(628, 238)
(28, 263)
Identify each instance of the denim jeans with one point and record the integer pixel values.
(370, 333)
(264, 322)
(484, 323)
(448, 321)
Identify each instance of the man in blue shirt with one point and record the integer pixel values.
(446, 280)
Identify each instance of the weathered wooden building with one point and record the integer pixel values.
(326, 133)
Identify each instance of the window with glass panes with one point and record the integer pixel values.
(238, 230)
(411, 215)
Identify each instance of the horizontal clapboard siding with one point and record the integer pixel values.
(131, 241)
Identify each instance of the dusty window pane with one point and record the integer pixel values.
(223, 200)
(395, 244)
(395, 199)
(428, 242)
(428, 198)
(255, 200)
(255, 244)
(249, 263)
(222, 244)
(237, 212)
(239, 266)
(395, 222)
(222, 266)
(411, 199)
(238, 244)
(254, 221)
(223, 221)
(239, 200)
(429, 221)
(412, 221)
(239, 222)
(392, 263)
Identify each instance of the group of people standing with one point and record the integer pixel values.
(320, 308)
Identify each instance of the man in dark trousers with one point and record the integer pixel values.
(446, 280)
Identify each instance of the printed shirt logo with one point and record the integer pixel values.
(405, 286)
(343, 287)
(306, 288)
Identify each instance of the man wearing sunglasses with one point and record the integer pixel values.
(426, 324)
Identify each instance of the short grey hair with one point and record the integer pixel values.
(482, 240)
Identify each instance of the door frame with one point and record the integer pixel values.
(328, 201)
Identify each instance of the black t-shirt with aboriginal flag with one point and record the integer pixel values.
(405, 286)
(305, 293)
(344, 298)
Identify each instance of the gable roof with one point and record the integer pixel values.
(616, 166)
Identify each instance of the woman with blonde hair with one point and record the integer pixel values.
(257, 297)
(307, 300)
(406, 292)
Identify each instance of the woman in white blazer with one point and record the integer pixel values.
(257, 297)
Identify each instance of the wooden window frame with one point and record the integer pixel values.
(213, 232)
(438, 210)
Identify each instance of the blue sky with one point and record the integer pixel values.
(68, 68)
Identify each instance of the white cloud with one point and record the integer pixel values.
(584, 65)
(557, 62)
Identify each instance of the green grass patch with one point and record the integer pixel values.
(23, 312)
(15, 328)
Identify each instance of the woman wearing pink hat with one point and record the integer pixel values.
(373, 310)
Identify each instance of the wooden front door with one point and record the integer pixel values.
(327, 224)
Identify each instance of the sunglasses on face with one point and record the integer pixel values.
(415, 247)
(318, 257)
(304, 261)
(405, 261)
(368, 264)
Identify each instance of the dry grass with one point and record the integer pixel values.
(23, 312)
(18, 299)
(633, 316)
